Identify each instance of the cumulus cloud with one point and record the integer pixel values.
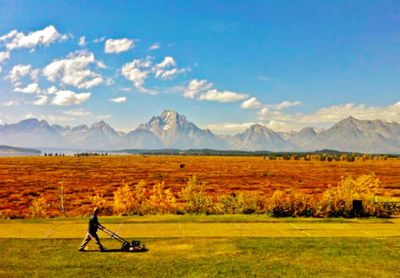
(75, 70)
(196, 87)
(8, 36)
(251, 103)
(154, 46)
(66, 97)
(4, 55)
(277, 125)
(167, 62)
(41, 100)
(221, 96)
(45, 37)
(32, 88)
(17, 72)
(82, 41)
(52, 90)
(118, 99)
(139, 70)
(286, 104)
(202, 90)
(118, 45)
(167, 70)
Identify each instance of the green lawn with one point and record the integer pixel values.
(204, 246)
(200, 257)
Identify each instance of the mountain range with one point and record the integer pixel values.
(172, 130)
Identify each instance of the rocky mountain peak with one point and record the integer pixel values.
(101, 125)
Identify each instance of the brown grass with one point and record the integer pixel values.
(24, 178)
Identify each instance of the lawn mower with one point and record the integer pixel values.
(127, 246)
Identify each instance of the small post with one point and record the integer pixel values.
(357, 208)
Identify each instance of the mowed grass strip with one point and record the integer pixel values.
(210, 230)
(198, 226)
(204, 257)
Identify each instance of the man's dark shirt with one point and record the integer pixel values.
(93, 224)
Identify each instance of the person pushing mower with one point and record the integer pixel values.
(92, 232)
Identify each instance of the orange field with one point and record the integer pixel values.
(24, 178)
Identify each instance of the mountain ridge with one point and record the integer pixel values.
(172, 130)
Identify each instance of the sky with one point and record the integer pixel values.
(223, 64)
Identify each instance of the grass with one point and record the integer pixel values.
(190, 218)
(200, 257)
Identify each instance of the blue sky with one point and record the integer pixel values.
(223, 64)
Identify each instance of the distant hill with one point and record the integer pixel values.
(9, 151)
(170, 130)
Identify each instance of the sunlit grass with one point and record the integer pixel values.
(200, 257)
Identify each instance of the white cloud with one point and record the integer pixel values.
(66, 97)
(82, 41)
(139, 70)
(29, 116)
(277, 125)
(44, 37)
(42, 100)
(75, 70)
(104, 117)
(196, 87)
(8, 36)
(229, 128)
(154, 46)
(286, 104)
(52, 90)
(125, 90)
(167, 62)
(99, 40)
(167, 70)
(10, 103)
(222, 96)
(251, 103)
(77, 113)
(202, 90)
(327, 116)
(118, 99)
(17, 72)
(32, 88)
(4, 55)
(118, 46)
(169, 74)
(57, 118)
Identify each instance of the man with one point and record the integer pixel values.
(92, 232)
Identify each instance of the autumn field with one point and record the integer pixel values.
(25, 178)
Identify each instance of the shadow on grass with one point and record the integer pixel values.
(114, 251)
